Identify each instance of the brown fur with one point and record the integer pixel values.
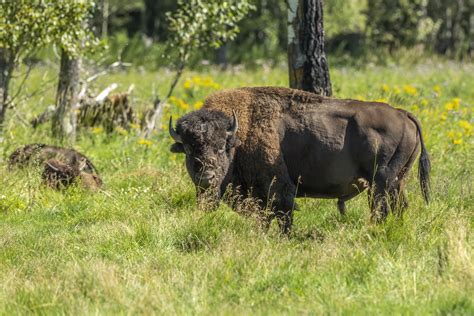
(37, 154)
(336, 147)
(59, 175)
(61, 166)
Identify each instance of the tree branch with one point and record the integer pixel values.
(20, 87)
(158, 106)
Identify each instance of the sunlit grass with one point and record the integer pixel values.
(142, 245)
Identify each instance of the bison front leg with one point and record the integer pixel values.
(281, 204)
(283, 212)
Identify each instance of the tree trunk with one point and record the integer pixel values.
(104, 6)
(307, 63)
(7, 64)
(222, 55)
(67, 101)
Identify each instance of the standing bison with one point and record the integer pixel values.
(279, 144)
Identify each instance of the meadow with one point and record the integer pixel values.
(141, 245)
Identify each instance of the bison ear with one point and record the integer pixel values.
(233, 142)
(177, 148)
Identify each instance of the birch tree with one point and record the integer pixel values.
(307, 62)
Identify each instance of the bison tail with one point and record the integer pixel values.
(424, 165)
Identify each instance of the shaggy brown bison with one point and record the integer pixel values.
(61, 166)
(279, 144)
(37, 154)
(59, 175)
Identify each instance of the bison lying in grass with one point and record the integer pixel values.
(58, 175)
(279, 144)
(61, 166)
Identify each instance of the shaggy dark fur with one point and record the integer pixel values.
(37, 154)
(292, 143)
(61, 166)
(59, 175)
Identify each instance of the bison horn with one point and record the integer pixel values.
(173, 133)
(235, 125)
(51, 166)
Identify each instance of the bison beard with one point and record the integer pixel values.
(269, 140)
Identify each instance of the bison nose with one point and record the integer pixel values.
(206, 178)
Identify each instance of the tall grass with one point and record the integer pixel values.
(142, 246)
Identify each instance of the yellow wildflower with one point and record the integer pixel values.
(415, 108)
(206, 82)
(424, 102)
(426, 112)
(449, 106)
(456, 103)
(466, 126)
(144, 142)
(198, 105)
(457, 141)
(410, 90)
(443, 116)
(437, 89)
(188, 84)
(385, 87)
(451, 134)
(197, 80)
(360, 97)
(384, 100)
(97, 130)
(121, 131)
(183, 105)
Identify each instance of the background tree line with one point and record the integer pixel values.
(193, 31)
(353, 27)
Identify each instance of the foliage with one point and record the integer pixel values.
(27, 25)
(201, 24)
(143, 247)
(344, 16)
(443, 26)
(195, 25)
(393, 23)
(453, 30)
(262, 34)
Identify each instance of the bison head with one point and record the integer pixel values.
(208, 138)
(60, 175)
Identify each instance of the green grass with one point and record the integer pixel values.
(142, 246)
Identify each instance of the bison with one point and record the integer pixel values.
(61, 166)
(38, 154)
(59, 175)
(280, 144)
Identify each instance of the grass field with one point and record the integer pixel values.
(141, 245)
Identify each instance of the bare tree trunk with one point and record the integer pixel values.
(67, 100)
(7, 64)
(307, 63)
(222, 55)
(104, 8)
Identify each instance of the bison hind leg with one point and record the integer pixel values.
(398, 199)
(341, 206)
